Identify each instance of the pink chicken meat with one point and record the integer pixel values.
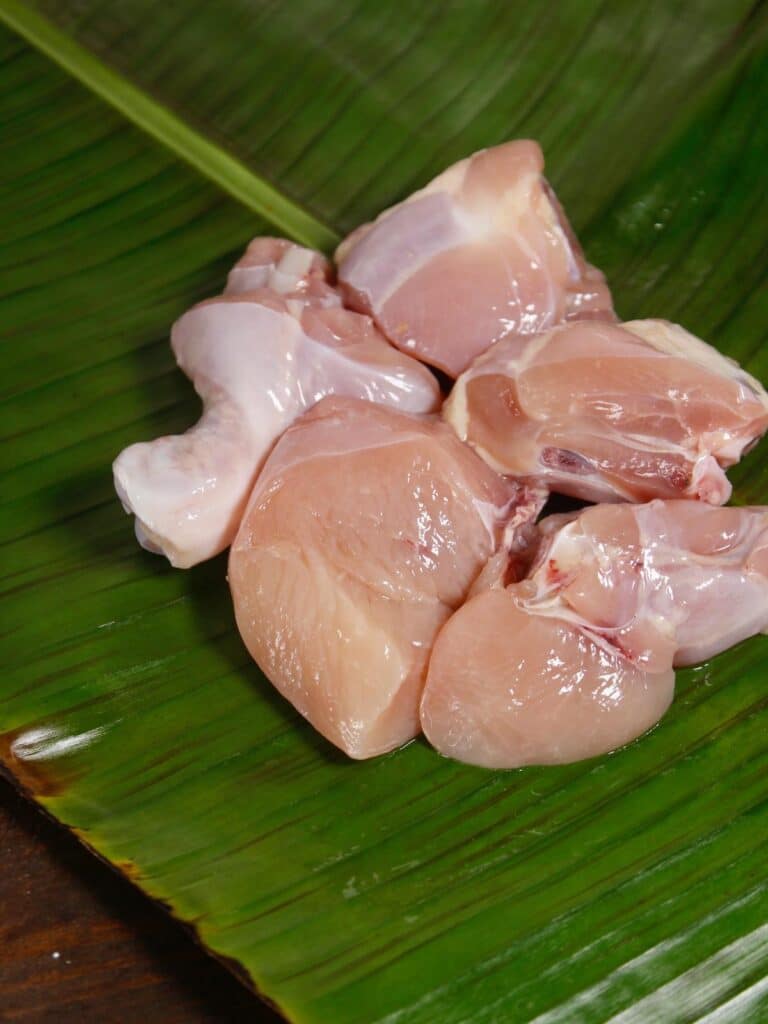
(364, 532)
(579, 658)
(387, 570)
(275, 343)
(608, 412)
(484, 252)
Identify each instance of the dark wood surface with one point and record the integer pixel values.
(79, 943)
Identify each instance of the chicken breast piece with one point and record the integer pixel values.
(608, 412)
(578, 659)
(364, 532)
(484, 252)
(258, 360)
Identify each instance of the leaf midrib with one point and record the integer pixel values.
(209, 159)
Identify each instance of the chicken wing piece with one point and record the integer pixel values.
(608, 412)
(484, 252)
(364, 532)
(258, 360)
(578, 659)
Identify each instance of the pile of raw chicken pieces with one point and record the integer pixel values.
(389, 568)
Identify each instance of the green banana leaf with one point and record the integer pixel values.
(141, 145)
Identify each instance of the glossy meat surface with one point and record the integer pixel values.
(363, 534)
(578, 659)
(507, 688)
(670, 582)
(482, 253)
(258, 359)
(608, 412)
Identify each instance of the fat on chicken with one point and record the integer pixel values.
(363, 534)
(484, 252)
(578, 659)
(258, 359)
(610, 412)
(285, 268)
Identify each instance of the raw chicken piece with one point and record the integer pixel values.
(578, 659)
(609, 412)
(285, 268)
(482, 253)
(257, 360)
(507, 688)
(670, 582)
(364, 532)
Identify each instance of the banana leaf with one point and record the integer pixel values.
(141, 145)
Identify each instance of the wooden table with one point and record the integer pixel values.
(78, 943)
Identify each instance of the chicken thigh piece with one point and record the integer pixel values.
(578, 659)
(258, 360)
(507, 688)
(667, 583)
(610, 412)
(364, 532)
(484, 252)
